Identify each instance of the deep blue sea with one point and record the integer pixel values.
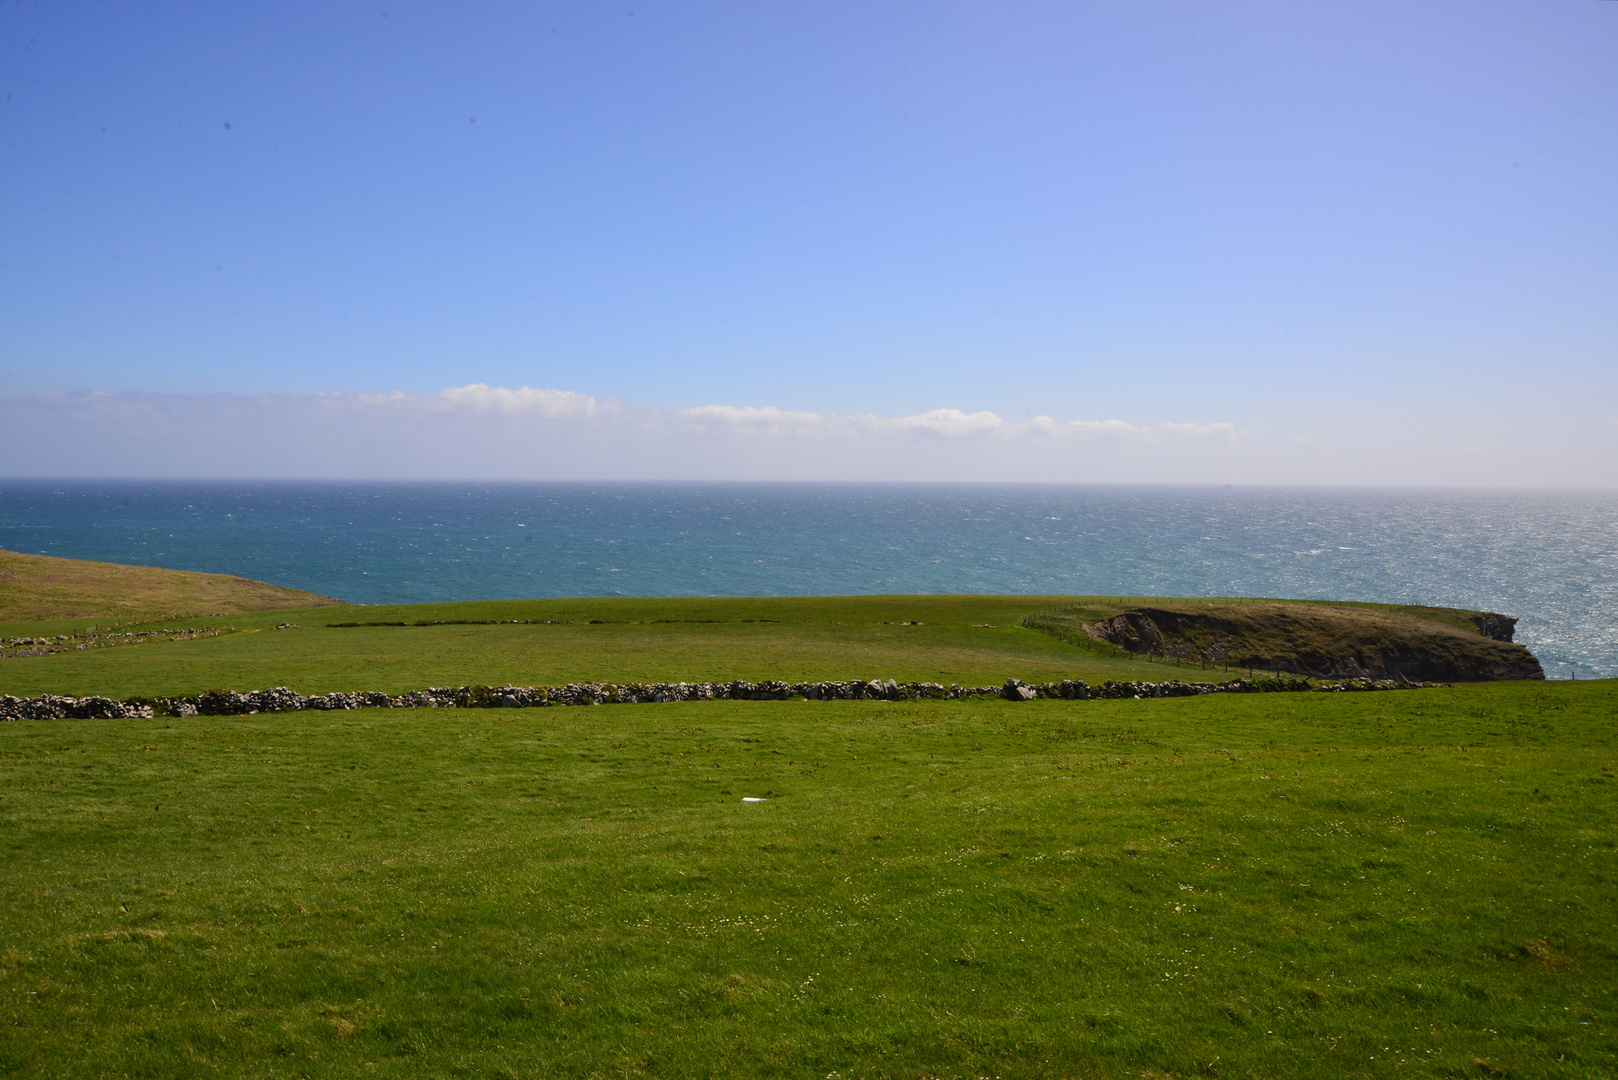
(1550, 558)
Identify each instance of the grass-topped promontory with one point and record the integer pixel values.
(37, 587)
(971, 640)
(1323, 640)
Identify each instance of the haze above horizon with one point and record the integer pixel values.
(1342, 243)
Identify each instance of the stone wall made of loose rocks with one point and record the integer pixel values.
(60, 707)
(94, 639)
(280, 699)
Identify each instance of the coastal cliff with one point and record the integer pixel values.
(1327, 641)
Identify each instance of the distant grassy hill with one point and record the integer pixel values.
(1324, 640)
(42, 587)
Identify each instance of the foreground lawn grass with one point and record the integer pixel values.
(1397, 884)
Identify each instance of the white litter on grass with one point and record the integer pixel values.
(751, 798)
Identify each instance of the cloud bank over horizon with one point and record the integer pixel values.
(483, 432)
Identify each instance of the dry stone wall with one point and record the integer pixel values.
(280, 699)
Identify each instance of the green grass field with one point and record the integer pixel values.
(972, 640)
(1412, 883)
(1400, 884)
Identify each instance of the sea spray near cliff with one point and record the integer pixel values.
(1549, 557)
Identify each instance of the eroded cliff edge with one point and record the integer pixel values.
(1319, 640)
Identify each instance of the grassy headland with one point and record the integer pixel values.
(1323, 640)
(37, 587)
(972, 640)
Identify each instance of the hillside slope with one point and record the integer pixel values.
(1317, 639)
(44, 587)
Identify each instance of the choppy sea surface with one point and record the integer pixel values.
(1549, 557)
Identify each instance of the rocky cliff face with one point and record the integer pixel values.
(1495, 627)
(1322, 641)
(1133, 631)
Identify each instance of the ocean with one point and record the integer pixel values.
(1548, 557)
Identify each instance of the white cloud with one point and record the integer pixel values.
(948, 423)
(768, 418)
(523, 401)
(951, 422)
(1222, 430)
(481, 432)
(493, 432)
(1118, 429)
(545, 404)
(1082, 429)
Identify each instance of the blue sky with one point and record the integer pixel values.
(1352, 242)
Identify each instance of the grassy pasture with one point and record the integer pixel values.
(37, 587)
(972, 640)
(1399, 884)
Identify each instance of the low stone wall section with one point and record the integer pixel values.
(280, 699)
